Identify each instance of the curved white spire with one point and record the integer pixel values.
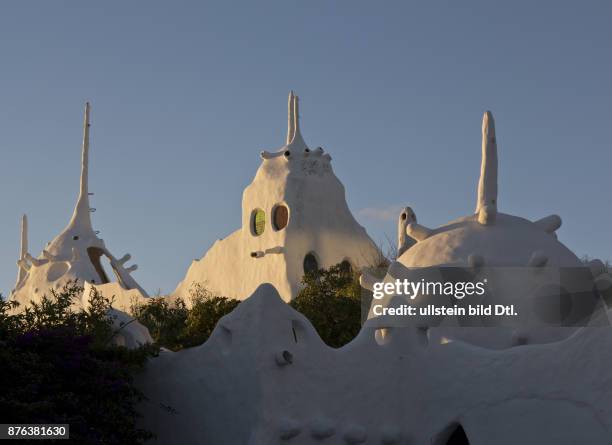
(23, 251)
(486, 204)
(81, 216)
(406, 217)
(293, 121)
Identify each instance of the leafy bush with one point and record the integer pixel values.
(165, 321)
(206, 311)
(174, 326)
(59, 366)
(331, 300)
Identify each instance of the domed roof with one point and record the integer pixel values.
(487, 237)
(511, 241)
(478, 244)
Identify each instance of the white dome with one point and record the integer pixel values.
(485, 244)
(511, 241)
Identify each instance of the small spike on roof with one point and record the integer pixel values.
(290, 118)
(486, 204)
(294, 135)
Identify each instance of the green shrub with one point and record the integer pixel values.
(174, 326)
(331, 300)
(165, 321)
(59, 366)
(206, 311)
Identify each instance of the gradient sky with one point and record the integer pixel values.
(185, 95)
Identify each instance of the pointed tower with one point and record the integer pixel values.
(81, 218)
(76, 253)
(22, 264)
(294, 219)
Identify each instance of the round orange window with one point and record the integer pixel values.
(280, 217)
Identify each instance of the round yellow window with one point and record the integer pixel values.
(258, 222)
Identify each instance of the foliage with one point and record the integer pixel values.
(165, 321)
(331, 300)
(59, 366)
(174, 326)
(206, 311)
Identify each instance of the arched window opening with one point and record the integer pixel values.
(258, 222)
(57, 270)
(95, 255)
(346, 267)
(280, 216)
(311, 265)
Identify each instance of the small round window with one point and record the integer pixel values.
(311, 265)
(280, 217)
(258, 222)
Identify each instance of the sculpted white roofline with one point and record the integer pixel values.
(75, 252)
(317, 221)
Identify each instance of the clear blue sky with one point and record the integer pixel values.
(186, 94)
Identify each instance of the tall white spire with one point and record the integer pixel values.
(486, 204)
(23, 251)
(293, 121)
(290, 118)
(81, 216)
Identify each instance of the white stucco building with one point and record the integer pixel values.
(265, 377)
(294, 218)
(523, 258)
(77, 254)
